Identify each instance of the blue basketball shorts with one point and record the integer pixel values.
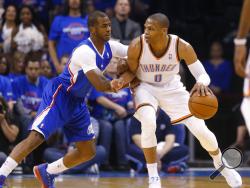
(60, 109)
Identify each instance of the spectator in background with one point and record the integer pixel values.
(123, 28)
(64, 60)
(28, 91)
(111, 110)
(16, 65)
(4, 65)
(46, 69)
(10, 18)
(29, 35)
(1, 9)
(219, 69)
(5, 88)
(171, 151)
(90, 6)
(9, 130)
(67, 31)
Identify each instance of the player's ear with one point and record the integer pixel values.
(165, 30)
(92, 29)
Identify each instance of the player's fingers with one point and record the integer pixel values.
(210, 91)
(202, 90)
(193, 90)
(207, 92)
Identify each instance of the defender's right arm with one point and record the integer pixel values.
(86, 59)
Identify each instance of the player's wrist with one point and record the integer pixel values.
(203, 79)
(240, 41)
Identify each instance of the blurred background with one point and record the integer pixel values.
(38, 36)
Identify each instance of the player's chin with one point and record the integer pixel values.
(107, 37)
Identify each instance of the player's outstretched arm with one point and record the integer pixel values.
(98, 80)
(86, 59)
(187, 53)
(134, 52)
(240, 51)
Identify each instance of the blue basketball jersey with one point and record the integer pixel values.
(62, 104)
(73, 78)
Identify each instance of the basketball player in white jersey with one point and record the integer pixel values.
(241, 67)
(154, 58)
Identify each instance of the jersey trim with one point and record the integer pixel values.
(181, 119)
(71, 78)
(141, 50)
(37, 119)
(144, 104)
(168, 45)
(176, 49)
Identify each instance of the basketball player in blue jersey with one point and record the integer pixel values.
(154, 58)
(63, 104)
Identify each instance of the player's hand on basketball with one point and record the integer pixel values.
(121, 112)
(116, 84)
(201, 90)
(240, 54)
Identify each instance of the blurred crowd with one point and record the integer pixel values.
(36, 40)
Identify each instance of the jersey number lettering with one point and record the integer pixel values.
(158, 78)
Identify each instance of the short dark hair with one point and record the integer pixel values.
(92, 19)
(32, 57)
(82, 8)
(162, 19)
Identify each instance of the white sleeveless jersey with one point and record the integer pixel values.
(159, 71)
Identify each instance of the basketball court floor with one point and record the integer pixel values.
(193, 178)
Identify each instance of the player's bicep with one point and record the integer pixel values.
(134, 52)
(118, 49)
(85, 58)
(186, 52)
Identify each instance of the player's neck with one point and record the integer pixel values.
(159, 47)
(74, 13)
(99, 44)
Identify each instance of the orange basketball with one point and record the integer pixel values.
(203, 107)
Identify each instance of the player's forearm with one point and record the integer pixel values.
(199, 72)
(102, 84)
(244, 26)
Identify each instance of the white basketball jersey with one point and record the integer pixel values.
(159, 71)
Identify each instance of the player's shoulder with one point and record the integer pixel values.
(183, 45)
(136, 43)
(83, 50)
(173, 36)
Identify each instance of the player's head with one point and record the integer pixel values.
(156, 27)
(99, 25)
